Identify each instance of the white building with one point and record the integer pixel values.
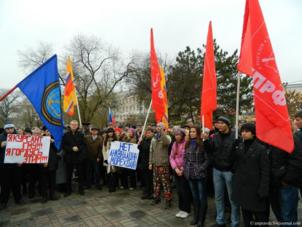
(294, 86)
(128, 105)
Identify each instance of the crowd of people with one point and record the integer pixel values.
(243, 174)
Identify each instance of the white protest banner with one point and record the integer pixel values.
(123, 155)
(26, 149)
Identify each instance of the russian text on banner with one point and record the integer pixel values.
(26, 149)
(123, 154)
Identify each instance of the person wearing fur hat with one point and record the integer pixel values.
(221, 148)
(10, 174)
(251, 177)
(177, 164)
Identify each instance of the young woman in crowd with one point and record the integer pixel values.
(111, 170)
(177, 164)
(195, 171)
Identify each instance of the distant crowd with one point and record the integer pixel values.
(244, 175)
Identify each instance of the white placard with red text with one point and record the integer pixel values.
(26, 149)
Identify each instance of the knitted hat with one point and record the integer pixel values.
(224, 120)
(6, 126)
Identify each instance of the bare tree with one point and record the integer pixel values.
(98, 69)
(8, 107)
(31, 59)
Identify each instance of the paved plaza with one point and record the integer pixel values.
(95, 208)
(98, 208)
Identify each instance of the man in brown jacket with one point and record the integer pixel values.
(94, 143)
(159, 162)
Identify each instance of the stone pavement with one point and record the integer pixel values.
(99, 208)
(96, 208)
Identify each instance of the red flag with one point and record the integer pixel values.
(157, 92)
(258, 61)
(208, 93)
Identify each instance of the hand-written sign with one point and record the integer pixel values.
(26, 149)
(123, 155)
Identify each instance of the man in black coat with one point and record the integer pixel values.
(73, 145)
(221, 149)
(251, 177)
(286, 175)
(10, 174)
(143, 164)
(49, 170)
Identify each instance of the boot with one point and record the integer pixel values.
(167, 204)
(202, 215)
(195, 214)
(155, 201)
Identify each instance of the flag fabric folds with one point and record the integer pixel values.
(257, 60)
(208, 92)
(42, 88)
(70, 98)
(158, 85)
(165, 119)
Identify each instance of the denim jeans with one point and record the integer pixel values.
(289, 204)
(199, 193)
(222, 180)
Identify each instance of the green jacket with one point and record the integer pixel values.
(159, 150)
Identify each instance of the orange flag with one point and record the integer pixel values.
(158, 84)
(208, 92)
(257, 60)
(70, 98)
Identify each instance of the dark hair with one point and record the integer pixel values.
(249, 127)
(114, 137)
(149, 130)
(298, 114)
(198, 135)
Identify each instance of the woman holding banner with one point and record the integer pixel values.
(111, 170)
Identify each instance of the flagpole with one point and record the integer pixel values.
(145, 123)
(78, 108)
(237, 106)
(202, 122)
(7, 93)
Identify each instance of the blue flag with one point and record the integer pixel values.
(42, 88)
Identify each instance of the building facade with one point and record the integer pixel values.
(129, 107)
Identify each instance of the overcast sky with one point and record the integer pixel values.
(126, 25)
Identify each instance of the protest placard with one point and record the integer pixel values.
(26, 149)
(123, 154)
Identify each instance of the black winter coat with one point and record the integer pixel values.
(286, 167)
(2, 149)
(221, 149)
(144, 151)
(53, 158)
(293, 174)
(70, 140)
(251, 177)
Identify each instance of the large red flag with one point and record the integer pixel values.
(158, 105)
(257, 60)
(208, 93)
